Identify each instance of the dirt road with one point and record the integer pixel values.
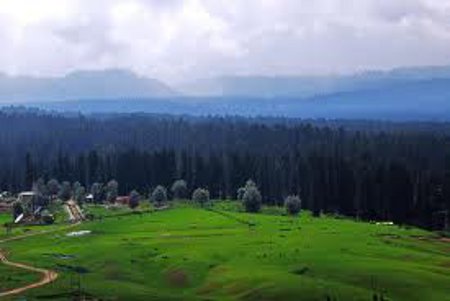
(48, 276)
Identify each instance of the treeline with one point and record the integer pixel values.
(396, 172)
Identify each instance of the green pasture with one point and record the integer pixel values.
(189, 253)
(11, 278)
(5, 218)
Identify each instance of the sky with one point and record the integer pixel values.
(177, 40)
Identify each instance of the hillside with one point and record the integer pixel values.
(190, 253)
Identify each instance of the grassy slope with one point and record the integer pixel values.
(4, 218)
(12, 278)
(189, 253)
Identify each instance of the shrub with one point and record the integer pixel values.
(240, 193)
(293, 204)
(201, 196)
(159, 195)
(53, 187)
(65, 191)
(179, 189)
(112, 191)
(252, 199)
(97, 192)
(79, 194)
(41, 193)
(134, 200)
(249, 183)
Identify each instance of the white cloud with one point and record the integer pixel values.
(175, 39)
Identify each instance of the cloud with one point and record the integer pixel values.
(176, 40)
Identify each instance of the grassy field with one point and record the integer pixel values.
(190, 253)
(11, 278)
(5, 218)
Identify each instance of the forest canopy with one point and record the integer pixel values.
(370, 170)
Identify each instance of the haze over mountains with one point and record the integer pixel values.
(81, 85)
(407, 93)
(309, 86)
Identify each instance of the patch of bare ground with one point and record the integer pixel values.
(177, 278)
(209, 288)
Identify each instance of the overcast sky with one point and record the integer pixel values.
(178, 39)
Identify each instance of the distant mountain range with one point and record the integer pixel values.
(81, 85)
(309, 86)
(416, 100)
(400, 94)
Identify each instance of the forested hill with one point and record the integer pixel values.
(373, 170)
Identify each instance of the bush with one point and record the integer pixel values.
(53, 187)
(134, 199)
(179, 189)
(201, 196)
(249, 183)
(97, 192)
(79, 194)
(293, 204)
(112, 191)
(159, 195)
(65, 191)
(240, 193)
(252, 199)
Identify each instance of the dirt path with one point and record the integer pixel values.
(48, 276)
(20, 237)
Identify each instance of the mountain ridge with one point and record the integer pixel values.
(418, 100)
(309, 86)
(79, 85)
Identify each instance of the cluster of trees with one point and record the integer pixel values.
(45, 192)
(249, 195)
(179, 189)
(252, 199)
(386, 171)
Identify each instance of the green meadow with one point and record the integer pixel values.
(11, 278)
(4, 218)
(190, 253)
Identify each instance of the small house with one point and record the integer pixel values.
(5, 207)
(27, 199)
(123, 200)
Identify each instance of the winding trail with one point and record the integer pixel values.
(48, 276)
